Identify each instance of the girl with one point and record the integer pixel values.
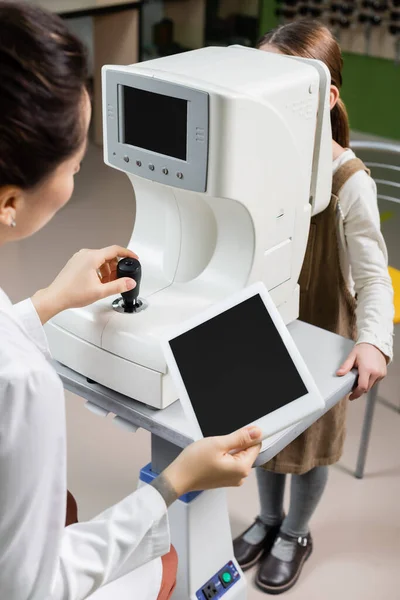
(346, 289)
(44, 118)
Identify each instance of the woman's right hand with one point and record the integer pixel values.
(89, 275)
(215, 462)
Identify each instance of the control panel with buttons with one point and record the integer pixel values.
(220, 584)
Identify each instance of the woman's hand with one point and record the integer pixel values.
(87, 277)
(215, 462)
(371, 364)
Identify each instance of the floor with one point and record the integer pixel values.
(356, 528)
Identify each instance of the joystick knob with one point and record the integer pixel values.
(130, 267)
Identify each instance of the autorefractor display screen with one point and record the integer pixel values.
(154, 122)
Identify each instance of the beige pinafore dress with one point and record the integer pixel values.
(326, 302)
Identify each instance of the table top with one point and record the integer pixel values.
(81, 8)
(322, 351)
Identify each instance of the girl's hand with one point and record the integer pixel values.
(215, 462)
(371, 364)
(89, 275)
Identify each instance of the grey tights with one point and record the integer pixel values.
(305, 493)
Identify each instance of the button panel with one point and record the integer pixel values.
(138, 163)
(221, 583)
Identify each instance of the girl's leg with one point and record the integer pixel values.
(281, 569)
(305, 494)
(271, 490)
(260, 537)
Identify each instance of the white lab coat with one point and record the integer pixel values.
(40, 559)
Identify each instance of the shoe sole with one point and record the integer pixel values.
(275, 590)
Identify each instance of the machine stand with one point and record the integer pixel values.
(201, 535)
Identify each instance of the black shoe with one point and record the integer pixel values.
(247, 554)
(276, 576)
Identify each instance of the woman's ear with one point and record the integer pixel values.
(334, 96)
(9, 200)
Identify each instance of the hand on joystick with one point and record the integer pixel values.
(130, 267)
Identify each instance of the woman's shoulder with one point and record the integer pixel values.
(31, 393)
(20, 360)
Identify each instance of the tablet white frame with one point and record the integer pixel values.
(280, 419)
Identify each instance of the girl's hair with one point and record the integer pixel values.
(311, 39)
(43, 73)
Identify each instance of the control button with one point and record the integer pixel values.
(179, 175)
(165, 171)
(126, 159)
(138, 163)
(226, 579)
(151, 167)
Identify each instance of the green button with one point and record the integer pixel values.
(226, 577)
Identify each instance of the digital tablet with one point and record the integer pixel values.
(236, 364)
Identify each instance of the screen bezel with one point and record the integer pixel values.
(282, 418)
(126, 157)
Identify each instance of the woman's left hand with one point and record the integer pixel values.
(89, 275)
(371, 364)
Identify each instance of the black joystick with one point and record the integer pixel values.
(130, 267)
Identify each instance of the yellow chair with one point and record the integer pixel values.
(395, 275)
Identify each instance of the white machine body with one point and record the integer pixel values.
(227, 206)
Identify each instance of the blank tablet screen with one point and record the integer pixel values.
(236, 368)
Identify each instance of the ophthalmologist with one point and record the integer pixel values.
(44, 119)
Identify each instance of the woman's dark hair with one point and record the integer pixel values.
(43, 72)
(311, 39)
